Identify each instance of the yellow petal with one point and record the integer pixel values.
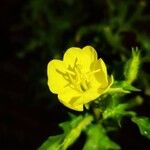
(87, 57)
(67, 96)
(77, 108)
(104, 90)
(55, 71)
(100, 77)
(92, 94)
(87, 96)
(71, 55)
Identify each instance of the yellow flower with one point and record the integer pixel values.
(80, 78)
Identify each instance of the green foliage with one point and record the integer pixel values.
(112, 26)
(97, 139)
(53, 143)
(72, 130)
(144, 125)
(132, 66)
(122, 87)
(118, 112)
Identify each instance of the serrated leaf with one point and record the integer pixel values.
(68, 125)
(118, 111)
(144, 125)
(72, 130)
(97, 139)
(122, 87)
(78, 125)
(127, 86)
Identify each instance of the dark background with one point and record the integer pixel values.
(29, 113)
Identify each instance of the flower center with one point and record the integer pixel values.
(77, 79)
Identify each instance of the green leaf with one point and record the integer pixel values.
(118, 111)
(143, 124)
(68, 125)
(97, 139)
(53, 143)
(77, 125)
(122, 87)
(132, 66)
(72, 130)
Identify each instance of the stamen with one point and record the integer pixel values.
(70, 72)
(95, 71)
(76, 78)
(71, 78)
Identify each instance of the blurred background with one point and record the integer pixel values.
(36, 31)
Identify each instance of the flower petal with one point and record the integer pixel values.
(92, 94)
(87, 96)
(71, 55)
(67, 96)
(110, 82)
(87, 57)
(55, 71)
(77, 107)
(100, 77)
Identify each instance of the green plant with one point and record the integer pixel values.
(114, 27)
